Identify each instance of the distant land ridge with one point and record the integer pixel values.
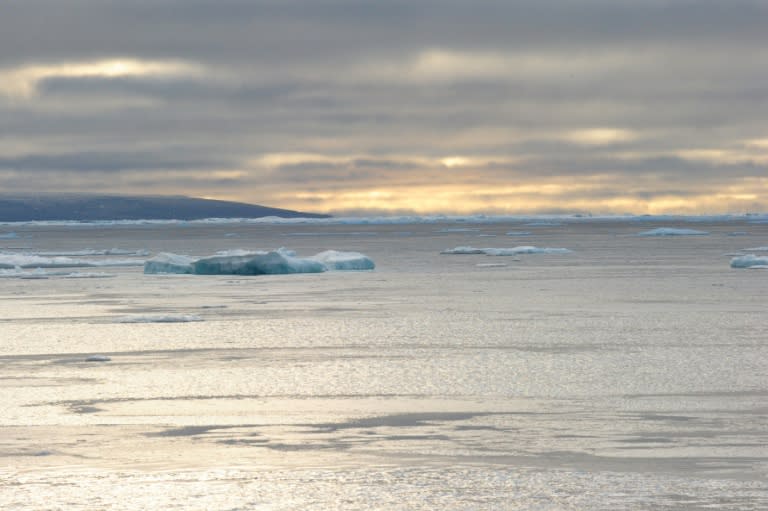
(98, 207)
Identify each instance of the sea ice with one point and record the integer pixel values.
(672, 231)
(269, 263)
(8, 236)
(10, 261)
(518, 233)
(39, 273)
(166, 262)
(749, 261)
(544, 224)
(94, 252)
(457, 229)
(335, 260)
(244, 262)
(504, 251)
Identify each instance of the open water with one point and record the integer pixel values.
(630, 373)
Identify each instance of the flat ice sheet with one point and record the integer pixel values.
(628, 374)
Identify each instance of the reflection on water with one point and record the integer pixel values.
(627, 374)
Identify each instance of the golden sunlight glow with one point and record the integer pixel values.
(22, 82)
(757, 143)
(274, 160)
(535, 196)
(454, 161)
(600, 136)
(723, 156)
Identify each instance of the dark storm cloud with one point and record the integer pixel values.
(378, 94)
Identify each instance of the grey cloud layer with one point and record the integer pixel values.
(388, 89)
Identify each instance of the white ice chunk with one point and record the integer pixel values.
(458, 229)
(463, 251)
(88, 275)
(672, 231)
(757, 249)
(94, 252)
(505, 251)
(248, 262)
(269, 263)
(9, 261)
(166, 262)
(749, 261)
(335, 260)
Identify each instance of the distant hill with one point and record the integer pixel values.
(93, 207)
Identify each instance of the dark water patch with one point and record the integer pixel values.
(673, 418)
(648, 440)
(417, 437)
(286, 447)
(402, 420)
(482, 428)
(198, 430)
(245, 441)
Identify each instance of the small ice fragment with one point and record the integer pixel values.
(543, 224)
(97, 358)
(749, 261)
(166, 262)
(505, 251)
(672, 231)
(335, 260)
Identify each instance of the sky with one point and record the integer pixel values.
(392, 107)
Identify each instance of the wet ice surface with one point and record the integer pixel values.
(628, 374)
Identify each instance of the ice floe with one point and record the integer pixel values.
(335, 260)
(244, 262)
(166, 262)
(40, 273)
(93, 252)
(11, 261)
(449, 230)
(749, 261)
(168, 318)
(257, 263)
(543, 224)
(672, 231)
(8, 236)
(518, 233)
(505, 251)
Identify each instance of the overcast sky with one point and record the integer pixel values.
(427, 106)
